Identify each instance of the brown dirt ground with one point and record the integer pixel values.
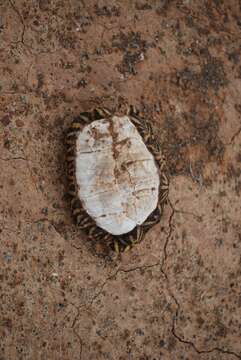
(177, 295)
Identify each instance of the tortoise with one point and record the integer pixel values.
(117, 176)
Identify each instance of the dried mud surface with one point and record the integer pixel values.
(177, 295)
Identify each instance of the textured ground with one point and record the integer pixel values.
(176, 296)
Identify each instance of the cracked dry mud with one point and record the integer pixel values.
(177, 295)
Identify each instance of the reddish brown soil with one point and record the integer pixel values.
(177, 295)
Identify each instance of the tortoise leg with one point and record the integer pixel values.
(101, 113)
(121, 245)
(153, 219)
(144, 127)
(127, 248)
(77, 125)
(116, 246)
(139, 234)
(133, 111)
(125, 244)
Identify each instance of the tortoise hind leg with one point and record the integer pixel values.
(133, 111)
(126, 242)
(121, 244)
(137, 235)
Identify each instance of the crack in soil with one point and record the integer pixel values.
(160, 264)
(177, 304)
(90, 303)
(195, 216)
(74, 330)
(168, 237)
(119, 270)
(21, 20)
(28, 166)
(234, 137)
(22, 41)
(13, 158)
(193, 345)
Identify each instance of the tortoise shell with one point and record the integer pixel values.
(117, 174)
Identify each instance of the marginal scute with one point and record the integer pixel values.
(116, 175)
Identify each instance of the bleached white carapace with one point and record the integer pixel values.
(117, 176)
